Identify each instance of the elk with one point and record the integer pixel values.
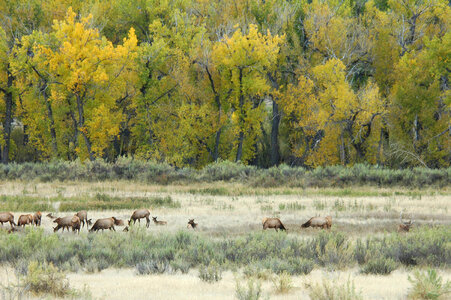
(158, 222)
(322, 222)
(273, 223)
(6, 217)
(404, 226)
(140, 214)
(83, 216)
(25, 220)
(37, 218)
(105, 223)
(125, 229)
(191, 224)
(66, 222)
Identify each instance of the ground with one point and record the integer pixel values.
(225, 209)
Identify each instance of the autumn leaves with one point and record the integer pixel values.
(306, 82)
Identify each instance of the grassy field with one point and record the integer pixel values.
(363, 240)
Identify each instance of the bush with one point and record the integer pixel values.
(46, 279)
(252, 291)
(428, 285)
(333, 290)
(211, 273)
(153, 267)
(161, 173)
(282, 283)
(380, 265)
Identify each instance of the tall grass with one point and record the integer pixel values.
(151, 172)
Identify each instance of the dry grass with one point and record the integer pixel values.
(235, 215)
(357, 212)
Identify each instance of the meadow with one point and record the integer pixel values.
(229, 252)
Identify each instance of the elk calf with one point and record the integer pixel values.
(191, 224)
(273, 223)
(158, 222)
(6, 217)
(404, 226)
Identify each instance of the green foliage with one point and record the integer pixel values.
(428, 285)
(43, 278)
(380, 266)
(162, 173)
(210, 273)
(260, 253)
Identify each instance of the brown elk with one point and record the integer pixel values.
(158, 222)
(83, 216)
(25, 220)
(37, 218)
(140, 214)
(66, 222)
(322, 222)
(191, 224)
(404, 226)
(105, 223)
(125, 229)
(273, 223)
(6, 217)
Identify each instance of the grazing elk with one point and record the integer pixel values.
(322, 222)
(66, 222)
(273, 223)
(25, 220)
(83, 216)
(125, 229)
(6, 217)
(140, 214)
(37, 218)
(404, 226)
(105, 223)
(158, 222)
(191, 224)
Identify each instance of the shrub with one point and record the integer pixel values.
(211, 273)
(333, 290)
(282, 283)
(380, 265)
(428, 285)
(153, 267)
(46, 279)
(252, 291)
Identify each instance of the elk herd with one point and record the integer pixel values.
(80, 219)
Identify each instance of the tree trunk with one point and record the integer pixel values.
(275, 156)
(52, 122)
(8, 119)
(239, 152)
(218, 104)
(81, 123)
